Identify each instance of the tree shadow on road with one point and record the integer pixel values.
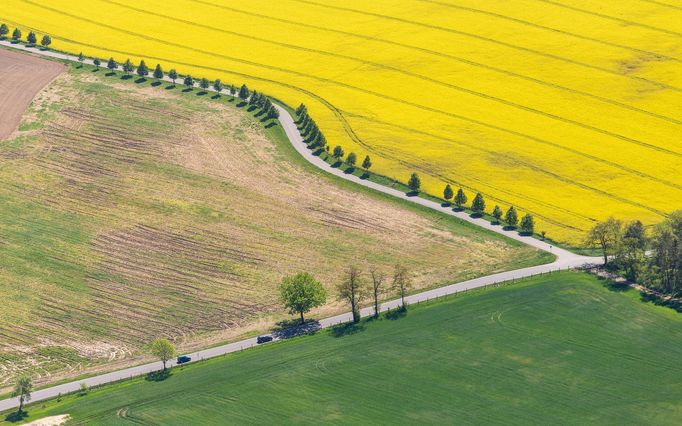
(289, 328)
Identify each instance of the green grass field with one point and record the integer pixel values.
(555, 349)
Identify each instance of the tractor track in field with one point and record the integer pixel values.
(423, 78)
(342, 119)
(448, 57)
(381, 95)
(486, 39)
(353, 135)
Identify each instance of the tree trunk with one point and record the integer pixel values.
(21, 404)
(376, 306)
(164, 365)
(302, 319)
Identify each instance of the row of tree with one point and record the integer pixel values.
(254, 98)
(649, 257)
(460, 199)
(313, 137)
(302, 292)
(31, 37)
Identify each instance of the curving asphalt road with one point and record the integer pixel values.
(564, 260)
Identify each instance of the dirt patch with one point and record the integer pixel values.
(50, 421)
(23, 76)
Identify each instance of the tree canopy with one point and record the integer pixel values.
(142, 69)
(301, 292)
(366, 163)
(163, 349)
(46, 41)
(158, 72)
(478, 204)
(414, 183)
(244, 92)
(511, 217)
(460, 198)
(22, 389)
(527, 224)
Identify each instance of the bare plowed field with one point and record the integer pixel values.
(22, 77)
(129, 212)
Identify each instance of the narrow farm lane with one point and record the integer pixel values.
(564, 260)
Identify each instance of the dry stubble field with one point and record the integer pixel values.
(568, 109)
(128, 212)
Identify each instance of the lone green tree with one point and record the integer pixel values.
(46, 41)
(414, 183)
(142, 69)
(163, 349)
(81, 58)
(352, 289)
(527, 224)
(96, 62)
(204, 83)
(366, 164)
(497, 213)
(31, 38)
(244, 92)
(511, 217)
(158, 72)
(460, 198)
(16, 34)
(300, 293)
(448, 193)
(402, 282)
(173, 75)
(351, 160)
(188, 81)
(4, 30)
(111, 64)
(338, 153)
(605, 235)
(478, 204)
(22, 389)
(218, 86)
(378, 279)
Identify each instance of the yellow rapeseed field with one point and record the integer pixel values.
(568, 109)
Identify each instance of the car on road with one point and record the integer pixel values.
(263, 339)
(183, 359)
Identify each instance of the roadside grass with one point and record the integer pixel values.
(559, 348)
(131, 211)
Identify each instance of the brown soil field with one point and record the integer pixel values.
(129, 212)
(23, 76)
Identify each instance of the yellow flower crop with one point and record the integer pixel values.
(568, 109)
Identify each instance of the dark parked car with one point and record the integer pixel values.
(183, 359)
(263, 339)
